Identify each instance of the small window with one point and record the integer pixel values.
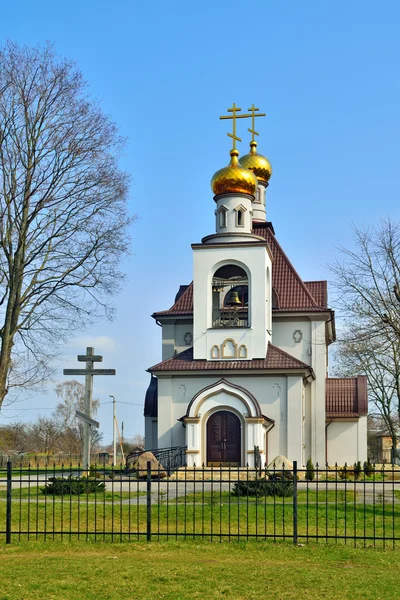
(222, 218)
(240, 218)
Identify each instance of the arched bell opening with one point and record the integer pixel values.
(230, 297)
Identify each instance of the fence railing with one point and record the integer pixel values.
(332, 505)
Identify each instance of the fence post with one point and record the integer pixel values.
(295, 502)
(148, 501)
(9, 501)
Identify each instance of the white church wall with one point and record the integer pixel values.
(307, 424)
(168, 340)
(183, 335)
(347, 441)
(294, 420)
(255, 260)
(318, 364)
(271, 392)
(293, 336)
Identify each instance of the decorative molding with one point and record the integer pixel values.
(255, 419)
(242, 353)
(215, 352)
(192, 419)
(188, 338)
(223, 346)
(233, 389)
(297, 336)
(193, 452)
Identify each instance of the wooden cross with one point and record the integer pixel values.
(253, 116)
(234, 110)
(89, 358)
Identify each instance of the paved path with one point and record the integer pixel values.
(368, 492)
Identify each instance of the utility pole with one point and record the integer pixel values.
(89, 358)
(114, 430)
(122, 433)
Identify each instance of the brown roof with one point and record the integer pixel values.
(276, 359)
(319, 291)
(292, 293)
(346, 397)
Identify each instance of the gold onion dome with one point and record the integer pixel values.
(257, 163)
(234, 178)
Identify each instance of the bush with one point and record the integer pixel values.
(310, 471)
(368, 468)
(357, 470)
(74, 486)
(354, 473)
(274, 486)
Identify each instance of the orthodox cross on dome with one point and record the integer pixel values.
(234, 110)
(253, 115)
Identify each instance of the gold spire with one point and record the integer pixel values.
(234, 110)
(234, 179)
(253, 116)
(257, 163)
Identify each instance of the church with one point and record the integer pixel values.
(245, 345)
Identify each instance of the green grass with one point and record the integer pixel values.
(232, 516)
(303, 497)
(186, 571)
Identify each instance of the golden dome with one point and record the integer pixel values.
(234, 178)
(257, 163)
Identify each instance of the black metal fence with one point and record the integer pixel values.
(329, 505)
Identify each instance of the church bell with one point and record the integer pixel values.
(234, 299)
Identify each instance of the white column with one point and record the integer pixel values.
(294, 421)
(193, 437)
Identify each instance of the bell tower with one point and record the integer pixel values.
(232, 269)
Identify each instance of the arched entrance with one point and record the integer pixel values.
(223, 439)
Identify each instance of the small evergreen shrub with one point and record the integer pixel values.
(357, 470)
(368, 468)
(74, 486)
(310, 471)
(353, 473)
(273, 486)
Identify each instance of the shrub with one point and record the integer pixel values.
(368, 468)
(74, 486)
(357, 470)
(310, 471)
(273, 486)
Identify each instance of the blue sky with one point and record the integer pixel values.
(326, 74)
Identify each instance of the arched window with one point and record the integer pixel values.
(230, 297)
(275, 300)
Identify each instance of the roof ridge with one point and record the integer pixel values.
(181, 298)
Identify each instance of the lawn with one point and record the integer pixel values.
(332, 514)
(187, 570)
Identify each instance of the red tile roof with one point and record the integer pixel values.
(346, 397)
(276, 359)
(319, 291)
(292, 293)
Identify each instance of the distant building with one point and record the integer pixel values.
(245, 346)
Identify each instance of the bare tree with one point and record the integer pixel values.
(367, 283)
(63, 218)
(72, 395)
(14, 438)
(379, 360)
(44, 435)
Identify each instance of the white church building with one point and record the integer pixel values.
(245, 347)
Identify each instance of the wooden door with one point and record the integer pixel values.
(223, 439)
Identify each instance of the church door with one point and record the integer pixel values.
(223, 439)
